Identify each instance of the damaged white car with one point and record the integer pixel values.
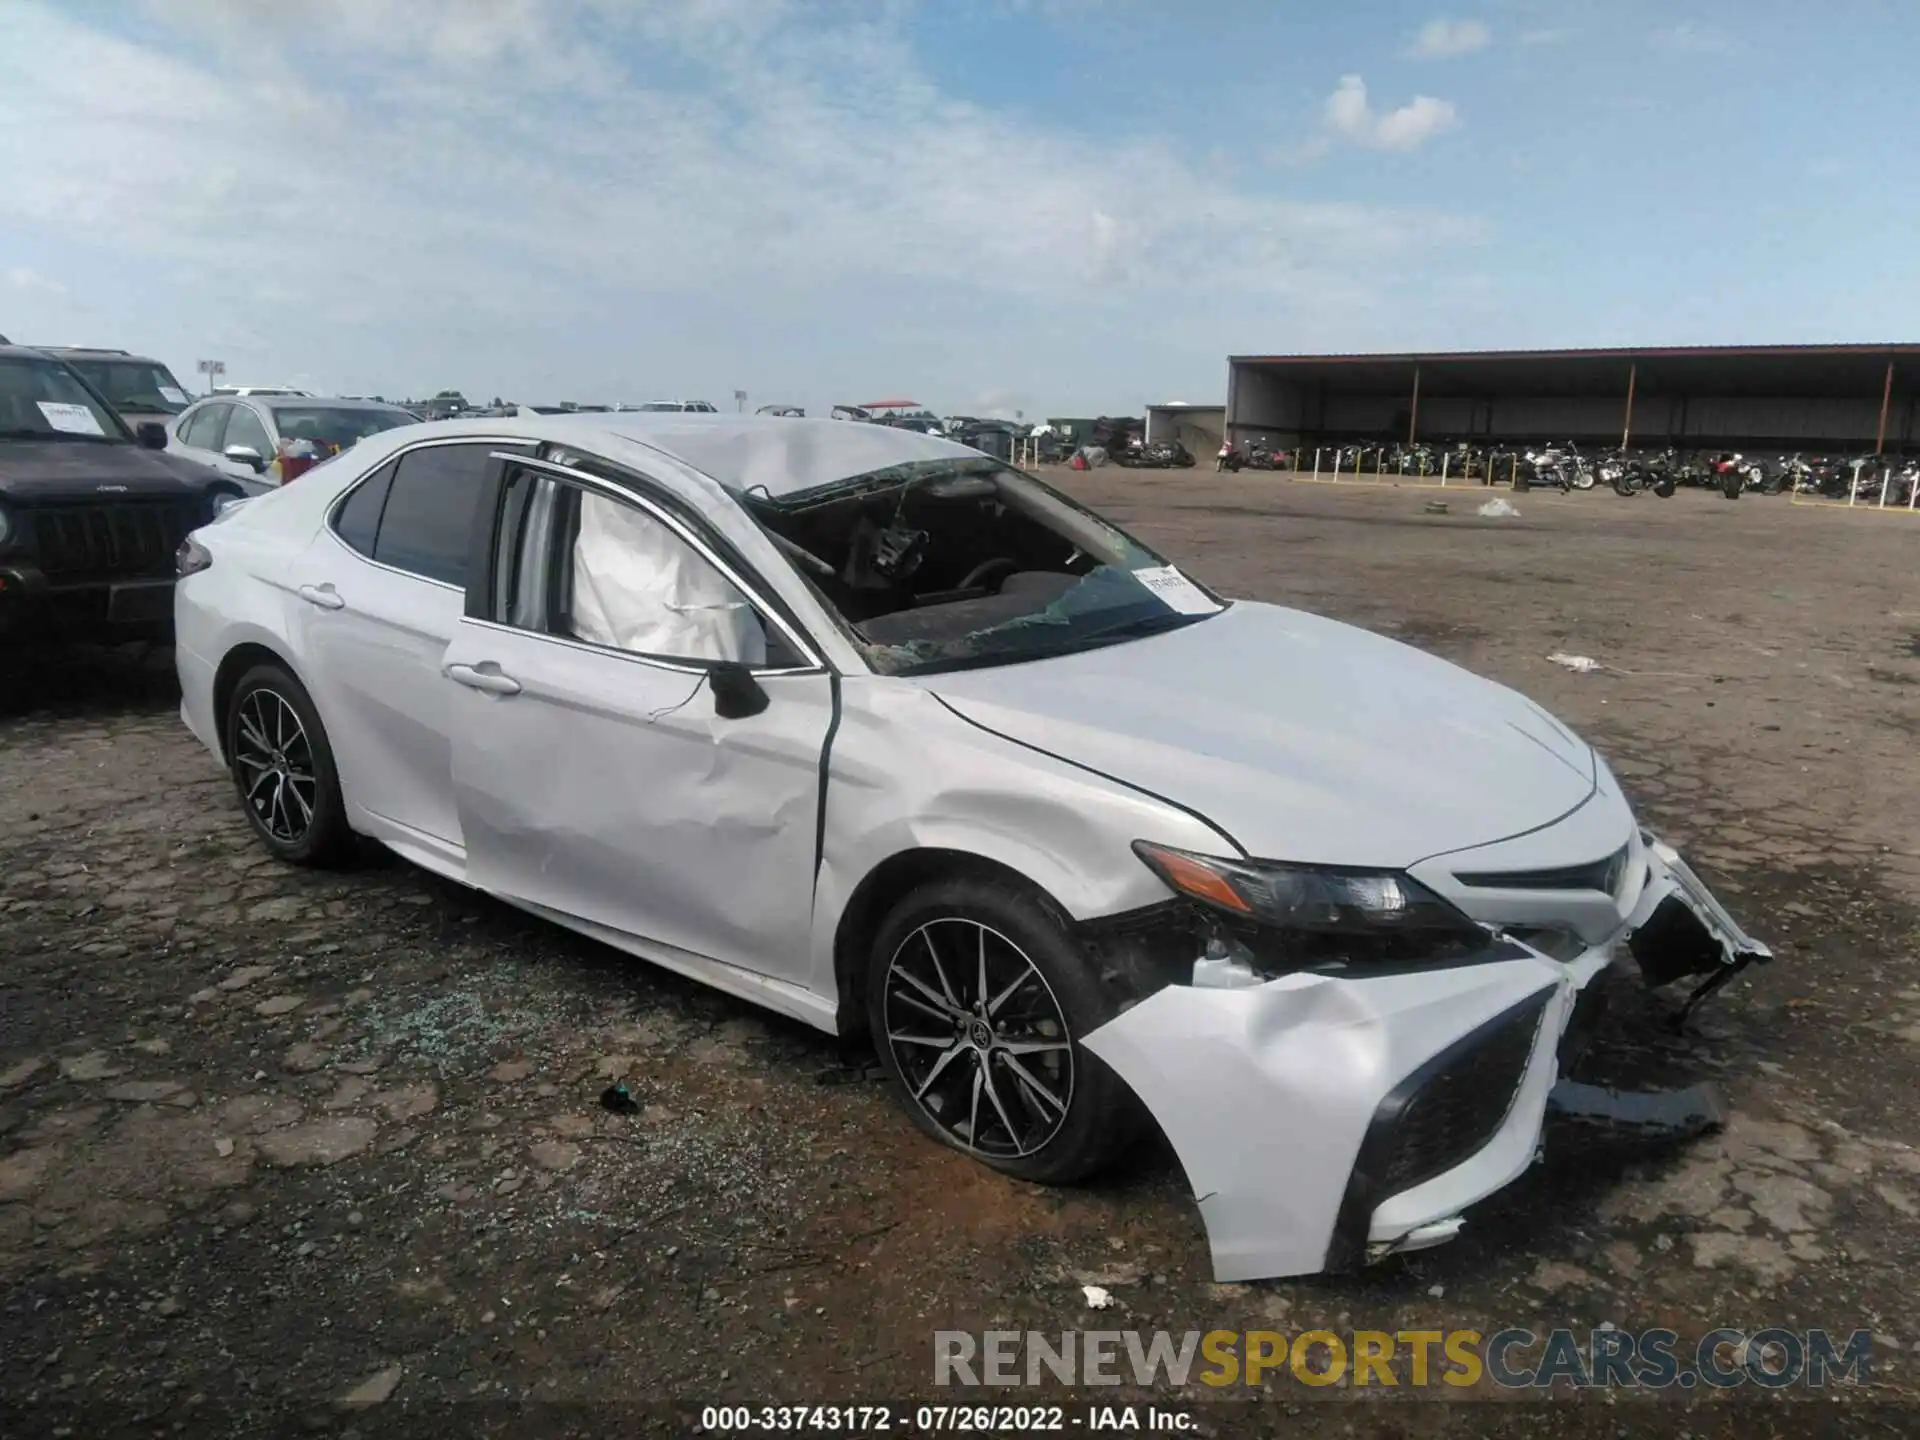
(882, 734)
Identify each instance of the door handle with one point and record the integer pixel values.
(491, 681)
(322, 595)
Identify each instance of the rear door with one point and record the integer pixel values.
(383, 586)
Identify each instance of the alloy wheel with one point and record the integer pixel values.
(275, 763)
(979, 1038)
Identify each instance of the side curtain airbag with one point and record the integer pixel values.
(638, 587)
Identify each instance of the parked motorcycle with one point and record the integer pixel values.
(1561, 466)
(1630, 474)
(1163, 455)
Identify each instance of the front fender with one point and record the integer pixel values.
(904, 773)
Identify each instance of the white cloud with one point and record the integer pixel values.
(1688, 38)
(1444, 39)
(596, 199)
(21, 278)
(1349, 115)
(1533, 39)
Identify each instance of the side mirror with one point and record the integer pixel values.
(736, 694)
(246, 455)
(151, 434)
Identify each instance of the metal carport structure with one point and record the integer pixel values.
(1812, 398)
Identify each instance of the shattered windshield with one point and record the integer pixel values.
(951, 563)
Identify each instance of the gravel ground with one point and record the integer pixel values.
(282, 1149)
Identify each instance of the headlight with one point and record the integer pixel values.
(1331, 912)
(191, 558)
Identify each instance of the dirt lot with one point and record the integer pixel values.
(267, 1136)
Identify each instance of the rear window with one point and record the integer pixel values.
(357, 521)
(429, 511)
(335, 427)
(143, 385)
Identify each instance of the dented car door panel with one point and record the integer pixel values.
(609, 788)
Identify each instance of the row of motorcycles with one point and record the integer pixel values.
(1861, 480)
(1872, 479)
(1564, 466)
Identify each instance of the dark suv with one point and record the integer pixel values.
(137, 387)
(90, 512)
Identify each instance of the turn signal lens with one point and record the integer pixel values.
(1190, 876)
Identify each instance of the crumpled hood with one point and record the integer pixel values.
(1300, 737)
(41, 470)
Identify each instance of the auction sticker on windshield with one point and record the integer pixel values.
(70, 419)
(173, 395)
(1180, 593)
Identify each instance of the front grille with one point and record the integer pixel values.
(1603, 875)
(1462, 1097)
(116, 541)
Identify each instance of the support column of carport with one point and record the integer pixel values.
(1886, 399)
(1626, 425)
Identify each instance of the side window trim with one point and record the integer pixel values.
(487, 497)
(755, 594)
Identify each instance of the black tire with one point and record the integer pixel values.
(1101, 1116)
(1731, 484)
(1663, 487)
(325, 839)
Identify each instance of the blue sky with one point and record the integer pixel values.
(1058, 206)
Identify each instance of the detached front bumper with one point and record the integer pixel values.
(1324, 1120)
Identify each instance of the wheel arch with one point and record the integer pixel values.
(226, 679)
(885, 886)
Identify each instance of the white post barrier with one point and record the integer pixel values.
(1853, 488)
(1316, 462)
(1886, 474)
(1443, 470)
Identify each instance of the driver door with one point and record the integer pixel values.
(597, 774)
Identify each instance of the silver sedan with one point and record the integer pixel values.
(264, 440)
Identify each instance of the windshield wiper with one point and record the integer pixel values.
(22, 433)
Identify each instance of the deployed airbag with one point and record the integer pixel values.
(637, 586)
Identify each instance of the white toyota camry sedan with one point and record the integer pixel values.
(880, 733)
